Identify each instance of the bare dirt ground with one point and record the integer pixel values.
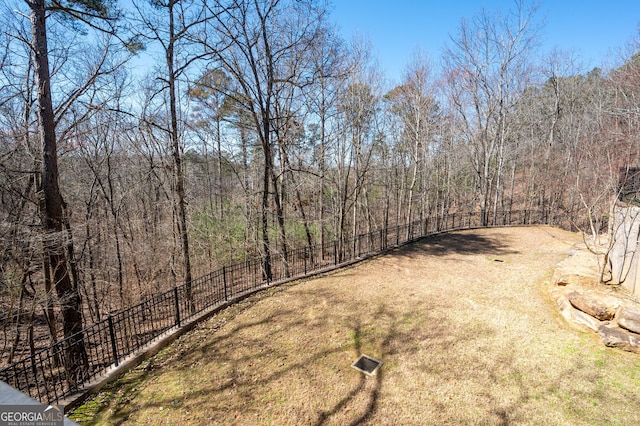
(464, 323)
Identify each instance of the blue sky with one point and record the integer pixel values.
(594, 30)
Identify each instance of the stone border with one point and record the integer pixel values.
(609, 310)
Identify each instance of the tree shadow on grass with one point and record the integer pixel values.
(352, 402)
(463, 243)
(374, 394)
(360, 403)
(403, 332)
(388, 345)
(327, 414)
(401, 337)
(119, 395)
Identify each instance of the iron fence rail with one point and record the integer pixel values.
(46, 376)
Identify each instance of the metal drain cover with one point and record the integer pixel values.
(367, 365)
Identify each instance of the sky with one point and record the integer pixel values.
(596, 31)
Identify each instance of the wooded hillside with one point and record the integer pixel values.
(150, 142)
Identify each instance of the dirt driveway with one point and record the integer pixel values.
(463, 322)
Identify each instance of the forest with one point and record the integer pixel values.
(148, 142)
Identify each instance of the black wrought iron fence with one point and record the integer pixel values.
(46, 376)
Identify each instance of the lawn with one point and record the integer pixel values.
(463, 322)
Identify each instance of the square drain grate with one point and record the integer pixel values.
(367, 365)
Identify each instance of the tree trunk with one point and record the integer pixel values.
(280, 215)
(53, 218)
(266, 261)
(323, 144)
(303, 215)
(49, 310)
(177, 158)
(219, 176)
(18, 319)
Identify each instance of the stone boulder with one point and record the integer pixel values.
(590, 304)
(611, 311)
(629, 319)
(576, 316)
(616, 337)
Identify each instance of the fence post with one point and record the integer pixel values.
(175, 297)
(114, 346)
(335, 252)
(224, 283)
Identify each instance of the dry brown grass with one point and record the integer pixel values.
(463, 322)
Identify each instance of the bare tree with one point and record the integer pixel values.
(360, 117)
(57, 238)
(414, 104)
(209, 92)
(488, 64)
(330, 62)
(171, 24)
(257, 43)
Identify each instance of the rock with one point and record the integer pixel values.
(576, 316)
(615, 337)
(563, 280)
(583, 300)
(612, 302)
(591, 305)
(629, 319)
